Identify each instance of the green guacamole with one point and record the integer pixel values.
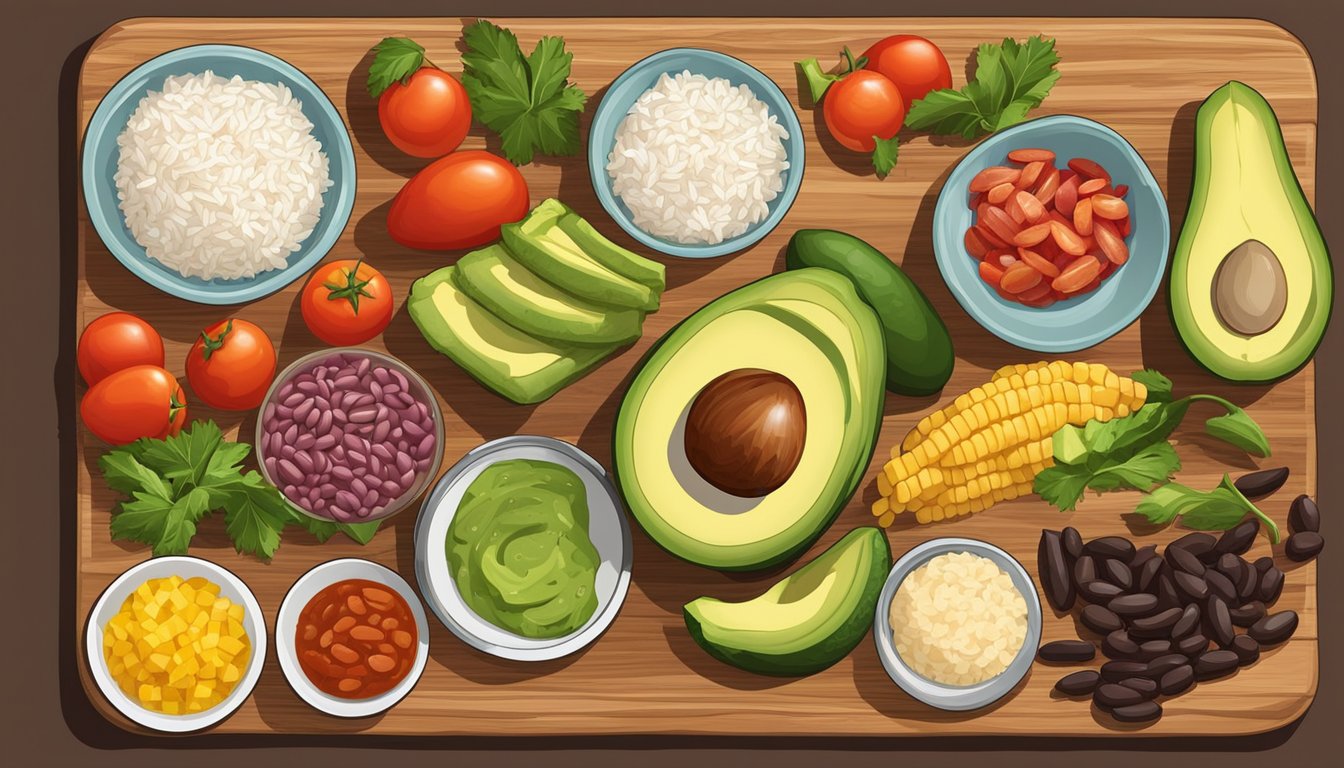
(519, 552)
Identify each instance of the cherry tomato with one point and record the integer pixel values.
(428, 116)
(913, 63)
(860, 106)
(458, 201)
(346, 302)
(231, 365)
(114, 341)
(140, 401)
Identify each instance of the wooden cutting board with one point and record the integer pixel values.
(1145, 78)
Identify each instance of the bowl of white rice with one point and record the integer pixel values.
(695, 153)
(218, 173)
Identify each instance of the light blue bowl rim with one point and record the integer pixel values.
(768, 91)
(947, 245)
(312, 251)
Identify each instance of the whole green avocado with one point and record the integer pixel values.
(919, 349)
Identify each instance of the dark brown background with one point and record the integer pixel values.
(45, 717)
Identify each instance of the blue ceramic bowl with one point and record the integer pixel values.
(101, 153)
(1064, 326)
(633, 82)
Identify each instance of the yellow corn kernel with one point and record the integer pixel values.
(959, 425)
(880, 507)
(883, 483)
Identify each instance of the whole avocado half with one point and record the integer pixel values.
(1244, 198)
(800, 642)
(919, 349)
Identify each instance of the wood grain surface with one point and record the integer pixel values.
(1145, 78)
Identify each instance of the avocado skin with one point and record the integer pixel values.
(1188, 330)
(920, 356)
(831, 649)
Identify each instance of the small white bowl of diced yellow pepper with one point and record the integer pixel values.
(176, 644)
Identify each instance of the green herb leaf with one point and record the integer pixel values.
(255, 515)
(124, 472)
(1062, 485)
(528, 100)
(884, 156)
(1220, 509)
(361, 533)
(1236, 427)
(1159, 386)
(1152, 465)
(166, 525)
(395, 60)
(1011, 78)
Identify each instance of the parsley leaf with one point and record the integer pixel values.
(527, 100)
(1011, 79)
(1220, 509)
(884, 155)
(1159, 386)
(395, 60)
(1235, 427)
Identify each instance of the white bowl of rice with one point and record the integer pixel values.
(218, 173)
(695, 153)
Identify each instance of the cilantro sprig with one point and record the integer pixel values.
(1011, 79)
(527, 100)
(173, 483)
(395, 59)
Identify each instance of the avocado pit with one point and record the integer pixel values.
(745, 432)
(1250, 289)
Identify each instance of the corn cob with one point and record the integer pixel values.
(991, 442)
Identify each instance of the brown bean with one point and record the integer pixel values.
(356, 605)
(1239, 539)
(1191, 587)
(1247, 649)
(1112, 695)
(1072, 542)
(1271, 586)
(1164, 664)
(344, 653)
(1067, 650)
(1054, 571)
(1248, 583)
(1304, 515)
(1177, 680)
(1118, 573)
(401, 638)
(380, 663)
(348, 685)
(1129, 606)
(326, 638)
(1197, 543)
(388, 624)
(1115, 671)
(1119, 645)
(309, 631)
(1218, 621)
(1147, 688)
(1183, 560)
(1099, 591)
(344, 624)
(1194, 644)
(1187, 623)
(1248, 613)
(1143, 712)
(1147, 575)
(366, 634)
(1157, 625)
(1116, 547)
(1274, 628)
(1303, 546)
(1084, 570)
(1100, 619)
(1079, 683)
(1259, 484)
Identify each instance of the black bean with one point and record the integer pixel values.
(1152, 649)
(1164, 664)
(1154, 626)
(1239, 539)
(1115, 547)
(1183, 560)
(1197, 543)
(1079, 683)
(1146, 578)
(1221, 586)
(1118, 573)
(1213, 664)
(1112, 695)
(1084, 570)
(1247, 614)
(1100, 619)
(1098, 591)
(1054, 572)
(1143, 712)
(1263, 564)
(1231, 566)
(1071, 542)
(1274, 628)
(1119, 645)
(1138, 604)
(1247, 649)
(1143, 555)
(1257, 485)
(1192, 588)
(1248, 583)
(1192, 644)
(1218, 621)
(1177, 681)
(1167, 594)
(1187, 623)
(1304, 515)
(1271, 586)
(1303, 546)
(1146, 687)
(1067, 650)
(1115, 671)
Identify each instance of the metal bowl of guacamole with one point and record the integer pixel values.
(523, 550)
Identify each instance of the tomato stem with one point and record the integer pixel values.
(175, 407)
(212, 344)
(852, 64)
(352, 290)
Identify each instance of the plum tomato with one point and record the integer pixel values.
(114, 341)
(861, 107)
(913, 63)
(231, 365)
(140, 401)
(458, 201)
(428, 115)
(346, 302)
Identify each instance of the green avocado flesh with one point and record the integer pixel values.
(1249, 238)
(806, 622)
(807, 325)
(919, 348)
(519, 552)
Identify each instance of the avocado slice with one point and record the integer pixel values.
(543, 247)
(807, 325)
(506, 360)
(494, 279)
(1251, 279)
(919, 348)
(808, 620)
(620, 260)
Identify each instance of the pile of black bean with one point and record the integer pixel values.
(1164, 620)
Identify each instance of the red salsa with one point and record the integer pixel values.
(356, 639)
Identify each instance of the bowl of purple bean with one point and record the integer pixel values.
(349, 435)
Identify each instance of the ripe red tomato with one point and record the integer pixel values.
(428, 116)
(913, 63)
(231, 365)
(458, 201)
(346, 302)
(140, 401)
(115, 341)
(860, 106)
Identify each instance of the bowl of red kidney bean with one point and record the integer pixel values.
(349, 435)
